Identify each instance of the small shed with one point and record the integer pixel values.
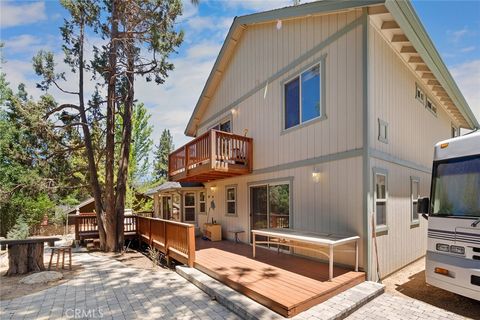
(179, 201)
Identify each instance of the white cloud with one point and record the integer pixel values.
(456, 35)
(467, 49)
(27, 44)
(15, 14)
(257, 5)
(467, 76)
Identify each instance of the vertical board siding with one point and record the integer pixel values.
(412, 129)
(412, 134)
(263, 51)
(332, 205)
(403, 243)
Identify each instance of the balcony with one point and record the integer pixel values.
(213, 155)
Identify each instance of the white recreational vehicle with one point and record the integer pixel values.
(453, 254)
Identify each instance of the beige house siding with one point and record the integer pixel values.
(332, 205)
(412, 132)
(264, 51)
(403, 242)
(412, 129)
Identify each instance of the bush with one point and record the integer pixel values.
(154, 255)
(20, 230)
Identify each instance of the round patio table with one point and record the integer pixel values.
(26, 255)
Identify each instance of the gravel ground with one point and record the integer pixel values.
(410, 282)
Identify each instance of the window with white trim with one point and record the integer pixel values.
(189, 206)
(414, 190)
(455, 132)
(303, 97)
(202, 202)
(419, 94)
(430, 106)
(380, 199)
(231, 197)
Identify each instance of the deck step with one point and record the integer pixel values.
(337, 307)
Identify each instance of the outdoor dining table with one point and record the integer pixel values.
(297, 239)
(26, 255)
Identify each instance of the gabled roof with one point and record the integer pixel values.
(171, 185)
(403, 13)
(80, 205)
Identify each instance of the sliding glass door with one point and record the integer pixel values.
(270, 206)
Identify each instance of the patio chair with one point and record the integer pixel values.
(61, 250)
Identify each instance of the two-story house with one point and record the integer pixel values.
(320, 117)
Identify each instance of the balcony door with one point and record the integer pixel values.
(270, 206)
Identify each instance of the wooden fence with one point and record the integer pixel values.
(175, 239)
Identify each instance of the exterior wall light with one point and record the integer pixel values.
(316, 174)
(213, 188)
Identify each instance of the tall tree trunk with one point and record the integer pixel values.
(92, 168)
(122, 175)
(111, 218)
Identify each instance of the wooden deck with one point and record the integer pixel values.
(282, 282)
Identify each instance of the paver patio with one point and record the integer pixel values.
(107, 289)
(389, 306)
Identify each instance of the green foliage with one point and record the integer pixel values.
(20, 230)
(164, 148)
(141, 145)
(35, 171)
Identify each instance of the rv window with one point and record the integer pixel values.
(456, 187)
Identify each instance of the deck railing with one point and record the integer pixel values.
(175, 239)
(215, 148)
(86, 225)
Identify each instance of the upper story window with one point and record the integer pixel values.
(430, 106)
(455, 132)
(419, 94)
(225, 126)
(303, 96)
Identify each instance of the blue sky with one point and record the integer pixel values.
(28, 26)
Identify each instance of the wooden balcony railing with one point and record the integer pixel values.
(175, 239)
(213, 155)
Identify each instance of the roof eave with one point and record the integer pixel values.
(407, 19)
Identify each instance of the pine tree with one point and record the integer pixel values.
(164, 148)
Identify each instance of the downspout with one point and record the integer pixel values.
(367, 196)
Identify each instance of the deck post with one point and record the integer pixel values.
(213, 149)
(186, 158)
(77, 235)
(191, 246)
(330, 264)
(356, 255)
(253, 247)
